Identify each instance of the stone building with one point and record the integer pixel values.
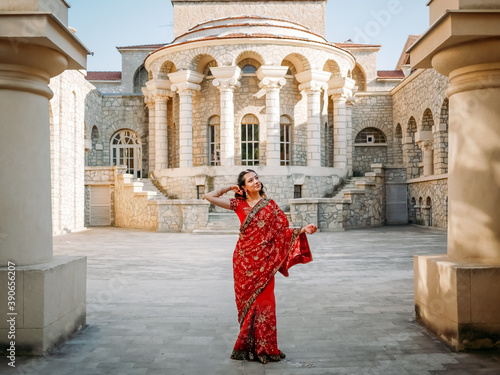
(257, 85)
(249, 84)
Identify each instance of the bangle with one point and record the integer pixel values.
(222, 191)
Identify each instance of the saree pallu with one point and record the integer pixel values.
(266, 245)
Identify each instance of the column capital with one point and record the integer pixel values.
(157, 90)
(148, 98)
(423, 135)
(185, 81)
(342, 89)
(271, 76)
(313, 80)
(425, 145)
(226, 77)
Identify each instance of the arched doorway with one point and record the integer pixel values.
(126, 150)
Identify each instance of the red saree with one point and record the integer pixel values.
(266, 245)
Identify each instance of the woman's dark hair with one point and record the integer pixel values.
(241, 183)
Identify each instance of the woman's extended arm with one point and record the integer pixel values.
(310, 229)
(215, 196)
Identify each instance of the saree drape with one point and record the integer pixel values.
(265, 246)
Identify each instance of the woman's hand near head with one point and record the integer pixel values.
(309, 229)
(236, 189)
(216, 196)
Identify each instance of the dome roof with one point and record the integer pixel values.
(246, 26)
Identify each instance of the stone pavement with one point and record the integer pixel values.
(163, 303)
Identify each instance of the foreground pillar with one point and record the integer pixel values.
(49, 292)
(226, 80)
(457, 296)
(185, 83)
(271, 81)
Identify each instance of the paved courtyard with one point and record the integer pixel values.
(163, 303)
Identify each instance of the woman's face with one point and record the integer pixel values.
(252, 183)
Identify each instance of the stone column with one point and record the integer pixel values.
(271, 81)
(158, 91)
(350, 145)
(457, 296)
(160, 132)
(150, 103)
(341, 90)
(226, 80)
(50, 292)
(185, 83)
(311, 83)
(428, 157)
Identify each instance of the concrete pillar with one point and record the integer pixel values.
(271, 81)
(311, 83)
(185, 83)
(50, 291)
(457, 296)
(342, 90)
(226, 80)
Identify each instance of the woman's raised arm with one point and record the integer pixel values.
(216, 198)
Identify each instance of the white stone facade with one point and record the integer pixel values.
(223, 70)
(68, 115)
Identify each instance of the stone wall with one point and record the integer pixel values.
(67, 143)
(420, 104)
(124, 112)
(361, 207)
(133, 208)
(374, 111)
(94, 127)
(182, 215)
(279, 181)
(364, 156)
(419, 210)
(309, 13)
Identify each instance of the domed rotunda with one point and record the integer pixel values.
(249, 91)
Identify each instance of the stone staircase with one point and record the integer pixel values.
(147, 185)
(353, 185)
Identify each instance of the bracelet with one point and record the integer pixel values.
(222, 191)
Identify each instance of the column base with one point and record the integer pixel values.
(50, 304)
(458, 301)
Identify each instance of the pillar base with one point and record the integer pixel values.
(49, 301)
(458, 301)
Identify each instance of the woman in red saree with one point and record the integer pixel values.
(265, 246)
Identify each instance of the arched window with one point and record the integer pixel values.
(214, 140)
(399, 133)
(249, 140)
(370, 135)
(126, 150)
(249, 69)
(285, 140)
(141, 76)
(95, 134)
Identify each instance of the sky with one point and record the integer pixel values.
(103, 25)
